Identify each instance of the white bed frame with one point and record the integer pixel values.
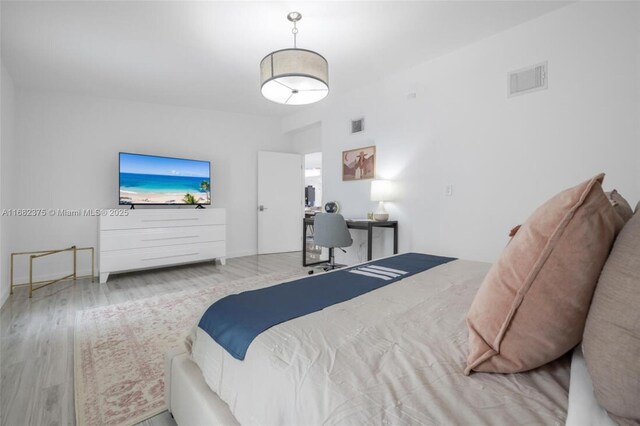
(189, 399)
(584, 409)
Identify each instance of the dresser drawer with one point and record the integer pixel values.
(163, 218)
(150, 238)
(123, 239)
(142, 258)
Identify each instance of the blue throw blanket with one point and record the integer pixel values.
(234, 321)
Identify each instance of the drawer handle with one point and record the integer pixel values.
(169, 220)
(170, 238)
(169, 257)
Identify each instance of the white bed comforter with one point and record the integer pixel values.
(392, 356)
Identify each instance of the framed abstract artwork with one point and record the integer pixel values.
(359, 164)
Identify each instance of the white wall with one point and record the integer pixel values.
(307, 139)
(67, 157)
(7, 142)
(504, 156)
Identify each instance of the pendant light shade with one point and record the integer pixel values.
(294, 76)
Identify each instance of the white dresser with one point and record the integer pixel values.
(147, 238)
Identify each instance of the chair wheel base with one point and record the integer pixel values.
(333, 267)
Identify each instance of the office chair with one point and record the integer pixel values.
(330, 231)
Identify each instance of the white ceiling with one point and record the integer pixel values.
(206, 54)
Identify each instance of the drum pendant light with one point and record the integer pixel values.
(294, 76)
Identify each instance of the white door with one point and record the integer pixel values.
(280, 202)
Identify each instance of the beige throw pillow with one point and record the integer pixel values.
(533, 303)
(611, 343)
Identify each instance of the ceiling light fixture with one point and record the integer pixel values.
(294, 76)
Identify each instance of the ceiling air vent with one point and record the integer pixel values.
(528, 79)
(357, 126)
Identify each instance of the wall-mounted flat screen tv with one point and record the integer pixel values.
(149, 179)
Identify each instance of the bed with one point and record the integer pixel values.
(395, 355)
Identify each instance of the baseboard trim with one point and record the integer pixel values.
(241, 254)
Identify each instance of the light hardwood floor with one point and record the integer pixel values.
(36, 335)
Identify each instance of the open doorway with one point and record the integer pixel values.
(307, 141)
(313, 202)
(313, 181)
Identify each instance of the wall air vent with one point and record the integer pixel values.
(357, 126)
(527, 80)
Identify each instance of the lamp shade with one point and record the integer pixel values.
(294, 76)
(381, 190)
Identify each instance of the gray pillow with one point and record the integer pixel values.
(612, 332)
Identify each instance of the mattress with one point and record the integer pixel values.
(395, 355)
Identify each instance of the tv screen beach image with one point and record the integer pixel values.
(146, 179)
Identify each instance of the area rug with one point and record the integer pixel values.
(119, 350)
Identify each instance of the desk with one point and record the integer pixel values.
(366, 225)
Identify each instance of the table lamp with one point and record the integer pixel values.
(381, 191)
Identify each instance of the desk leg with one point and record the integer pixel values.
(304, 243)
(369, 241)
(395, 238)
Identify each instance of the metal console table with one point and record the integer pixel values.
(42, 253)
